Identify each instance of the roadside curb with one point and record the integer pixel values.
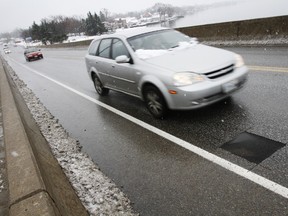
(37, 184)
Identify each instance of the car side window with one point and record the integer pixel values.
(93, 48)
(119, 48)
(104, 48)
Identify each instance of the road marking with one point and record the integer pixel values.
(260, 180)
(271, 69)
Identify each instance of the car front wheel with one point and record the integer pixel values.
(155, 102)
(99, 86)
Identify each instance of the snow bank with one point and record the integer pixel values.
(252, 42)
(98, 193)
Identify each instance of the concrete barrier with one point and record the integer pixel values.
(37, 184)
(273, 28)
(85, 43)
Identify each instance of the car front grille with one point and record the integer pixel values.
(220, 72)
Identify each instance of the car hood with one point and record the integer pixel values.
(197, 58)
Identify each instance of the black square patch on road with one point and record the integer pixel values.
(252, 147)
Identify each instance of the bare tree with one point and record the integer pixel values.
(106, 13)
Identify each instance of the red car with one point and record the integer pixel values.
(32, 54)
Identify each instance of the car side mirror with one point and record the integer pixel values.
(122, 59)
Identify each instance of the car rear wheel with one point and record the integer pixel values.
(155, 102)
(99, 86)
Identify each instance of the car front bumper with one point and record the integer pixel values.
(207, 92)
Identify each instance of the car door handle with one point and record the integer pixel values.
(113, 66)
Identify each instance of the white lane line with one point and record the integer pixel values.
(266, 183)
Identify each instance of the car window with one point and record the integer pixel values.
(29, 50)
(157, 40)
(119, 48)
(104, 48)
(93, 48)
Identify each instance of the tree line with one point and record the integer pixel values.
(56, 28)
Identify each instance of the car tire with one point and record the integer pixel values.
(155, 102)
(99, 86)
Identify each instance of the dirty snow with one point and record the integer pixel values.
(98, 193)
(3, 183)
(253, 42)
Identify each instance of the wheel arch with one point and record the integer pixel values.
(93, 72)
(160, 86)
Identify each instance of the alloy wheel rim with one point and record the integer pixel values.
(98, 85)
(153, 103)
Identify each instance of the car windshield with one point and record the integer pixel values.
(158, 40)
(29, 50)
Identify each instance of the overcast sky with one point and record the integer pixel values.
(21, 13)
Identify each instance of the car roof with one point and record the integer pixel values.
(127, 33)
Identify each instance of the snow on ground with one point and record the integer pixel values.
(98, 193)
(3, 181)
(252, 42)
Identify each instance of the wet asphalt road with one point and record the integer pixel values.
(160, 177)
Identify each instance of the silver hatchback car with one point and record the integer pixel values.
(163, 67)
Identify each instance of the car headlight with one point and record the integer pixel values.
(186, 78)
(239, 61)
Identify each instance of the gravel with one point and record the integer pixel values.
(98, 193)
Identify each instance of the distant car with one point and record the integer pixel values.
(165, 68)
(32, 54)
(6, 50)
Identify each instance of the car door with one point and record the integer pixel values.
(124, 75)
(93, 61)
(103, 62)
